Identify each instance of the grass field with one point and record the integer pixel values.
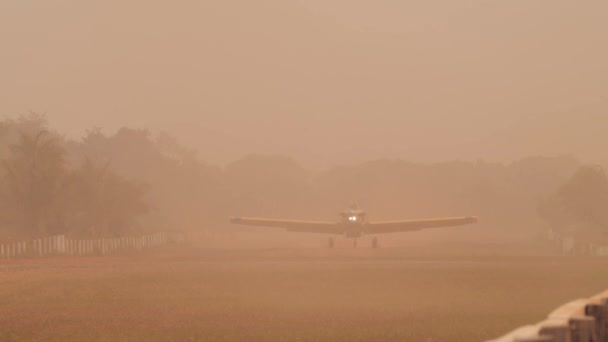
(285, 295)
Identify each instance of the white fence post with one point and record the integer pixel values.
(62, 250)
(57, 245)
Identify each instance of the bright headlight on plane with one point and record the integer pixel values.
(353, 218)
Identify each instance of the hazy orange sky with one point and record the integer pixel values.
(325, 81)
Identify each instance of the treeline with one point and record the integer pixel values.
(42, 192)
(130, 180)
(579, 207)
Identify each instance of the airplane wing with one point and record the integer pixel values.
(291, 225)
(412, 225)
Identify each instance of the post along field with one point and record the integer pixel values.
(183, 293)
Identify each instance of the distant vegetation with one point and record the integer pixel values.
(115, 184)
(43, 193)
(579, 208)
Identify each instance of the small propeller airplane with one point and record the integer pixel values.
(354, 225)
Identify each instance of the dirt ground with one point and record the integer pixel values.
(187, 293)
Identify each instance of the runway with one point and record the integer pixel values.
(286, 294)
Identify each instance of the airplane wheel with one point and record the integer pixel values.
(375, 242)
(330, 243)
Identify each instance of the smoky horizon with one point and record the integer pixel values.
(334, 81)
(303, 170)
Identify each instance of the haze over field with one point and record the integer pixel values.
(326, 82)
(143, 144)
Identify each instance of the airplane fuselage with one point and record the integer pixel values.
(353, 221)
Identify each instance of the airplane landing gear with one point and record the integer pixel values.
(375, 242)
(330, 243)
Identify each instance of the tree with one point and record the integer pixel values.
(35, 183)
(104, 203)
(41, 195)
(270, 185)
(580, 206)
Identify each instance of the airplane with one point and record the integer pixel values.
(353, 224)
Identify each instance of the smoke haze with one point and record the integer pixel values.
(326, 82)
(134, 135)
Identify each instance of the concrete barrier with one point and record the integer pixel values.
(581, 320)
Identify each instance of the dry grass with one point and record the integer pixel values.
(288, 296)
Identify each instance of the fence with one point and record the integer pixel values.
(569, 245)
(60, 245)
(579, 320)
